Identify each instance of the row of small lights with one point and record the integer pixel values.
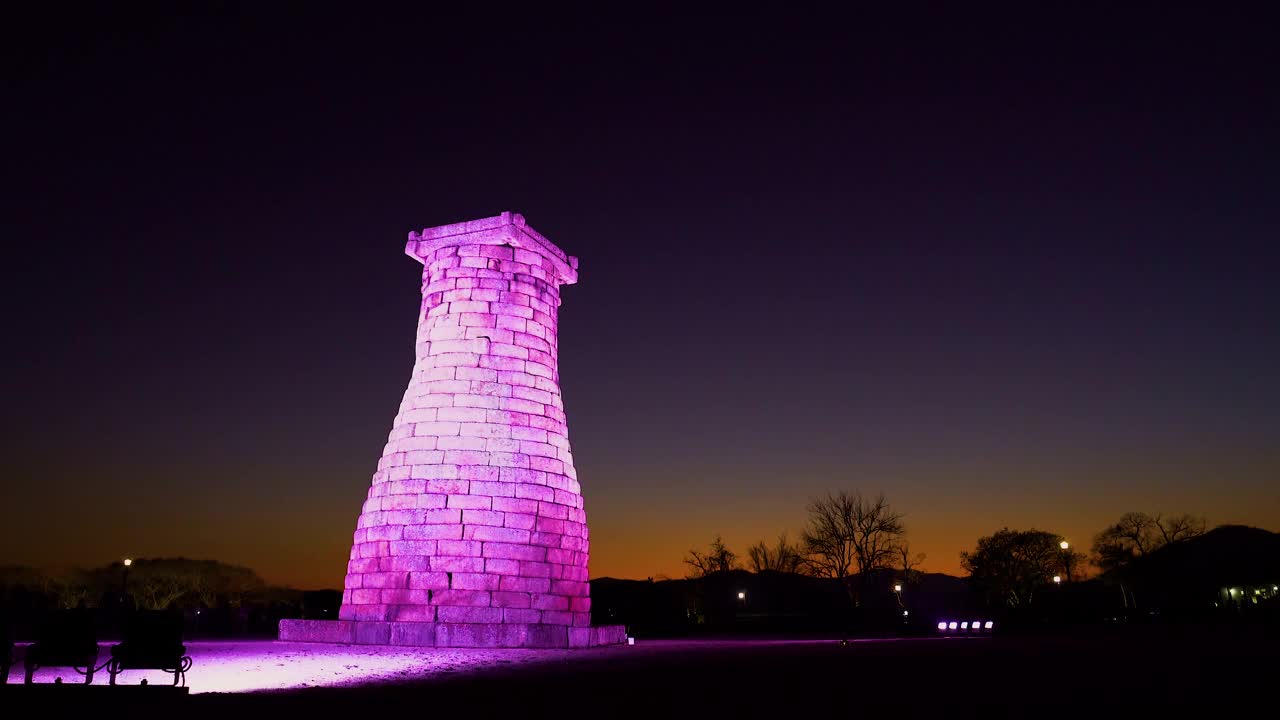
(1274, 588)
(943, 625)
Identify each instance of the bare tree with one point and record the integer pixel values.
(908, 562)
(848, 532)
(1136, 534)
(1179, 527)
(716, 560)
(70, 587)
(782, 557)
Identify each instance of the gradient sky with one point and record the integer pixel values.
(1011, 268)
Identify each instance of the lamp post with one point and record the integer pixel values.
(1066, 558)
(124, 584)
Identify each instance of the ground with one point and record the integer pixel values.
(1134, 674)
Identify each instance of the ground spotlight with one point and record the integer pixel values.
(952, 627)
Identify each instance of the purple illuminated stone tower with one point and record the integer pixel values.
(473, 533)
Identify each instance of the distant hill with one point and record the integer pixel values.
(1226, 555)
(1199, 574)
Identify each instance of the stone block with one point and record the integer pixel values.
(505, 599)
(521, 615)
(557, 617)
(458, 564)
(470, 502)
(474, 581)
(464, 614)
(487, 533)
(481, 517)
(466, 635)
(548, 636)
(513, 551)
(579, 637)
(525, 584)
(415, 634)
(317, 631)
(373, 633)
(608, 635)
(541, 601)
(431, 580)
(468, 598)
(461, 548)
(413, 613)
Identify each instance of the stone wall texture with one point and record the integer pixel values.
(474, 529)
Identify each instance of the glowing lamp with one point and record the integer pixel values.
(906, 613)
(990, 625)
(742, 595)
(128, 562)
(964, 626)
(942, 625)
(1057, 578)
(897, 588)
(1064, 545)
(951, 625)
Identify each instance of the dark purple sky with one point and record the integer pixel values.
(1011, 267)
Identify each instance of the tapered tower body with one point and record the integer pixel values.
(473, 532)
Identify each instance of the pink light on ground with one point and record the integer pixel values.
(252, 666)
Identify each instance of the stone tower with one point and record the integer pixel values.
(473, 533)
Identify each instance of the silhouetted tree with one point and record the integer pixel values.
(1136, 534)
(1013, 564)
(782, 557)
(159, 584)
(68, 587)
(847, 532)
(908, 562)
(716, 560)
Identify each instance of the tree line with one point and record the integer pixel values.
(850, 537)
(148, 584)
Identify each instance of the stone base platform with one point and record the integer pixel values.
(450, 635)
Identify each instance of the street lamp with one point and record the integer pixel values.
(897, 588)
(1057, 579)
(124, 583)
(1064, 544)
(742, 595)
